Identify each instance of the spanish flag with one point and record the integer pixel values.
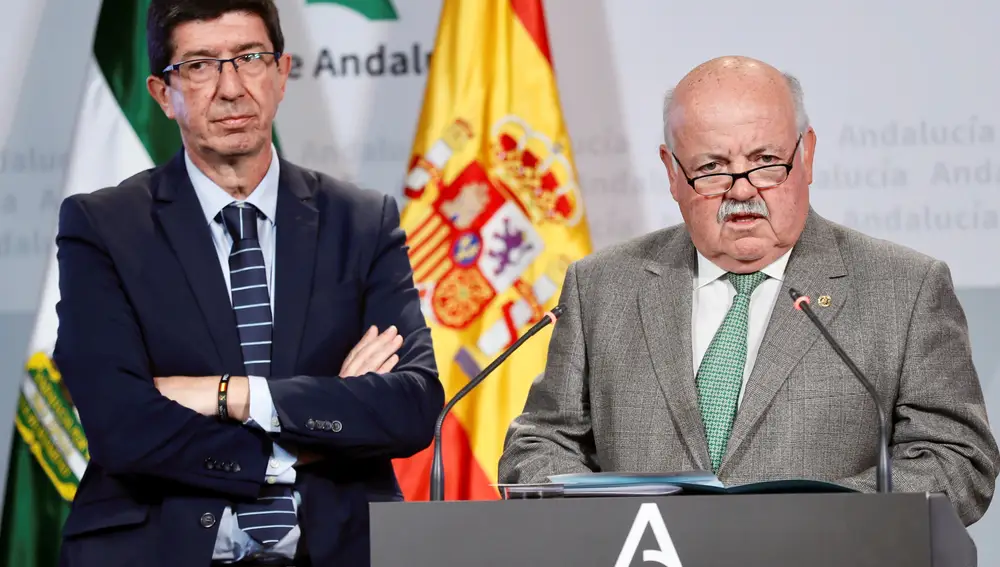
(494, 217)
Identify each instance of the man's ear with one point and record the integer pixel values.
(808, 151)
(158, 89)
(673, 171)
(284, 70)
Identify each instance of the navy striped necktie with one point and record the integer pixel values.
(272, 516)
(248, 286)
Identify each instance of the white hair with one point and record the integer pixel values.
(798, 99)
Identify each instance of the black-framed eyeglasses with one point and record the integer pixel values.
(764, 177)
(207, 70)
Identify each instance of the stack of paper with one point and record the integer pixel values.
(655, 484)
(699, 478)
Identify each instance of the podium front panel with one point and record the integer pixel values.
(818, 530)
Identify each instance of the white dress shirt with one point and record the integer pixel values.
(713, 296)
(232, 543)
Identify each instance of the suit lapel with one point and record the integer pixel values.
(815, 268)
(180, 214)
(665, 310)
(296, 226)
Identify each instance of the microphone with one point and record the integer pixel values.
(883, 475)
(437, 466)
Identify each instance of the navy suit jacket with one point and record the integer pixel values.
(143, 295)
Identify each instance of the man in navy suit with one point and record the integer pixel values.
(219, 328)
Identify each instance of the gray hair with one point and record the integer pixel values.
(798, 99)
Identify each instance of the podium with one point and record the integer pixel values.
(747, 530)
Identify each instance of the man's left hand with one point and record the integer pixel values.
(201, 394)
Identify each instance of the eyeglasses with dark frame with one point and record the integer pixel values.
(205, 70)
(764, 177)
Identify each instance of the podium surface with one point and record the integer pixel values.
(818, 530)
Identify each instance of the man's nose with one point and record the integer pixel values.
(230, 83)
(743, 190)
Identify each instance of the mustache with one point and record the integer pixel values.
(731, 207)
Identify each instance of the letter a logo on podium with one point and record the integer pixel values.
(666, 555)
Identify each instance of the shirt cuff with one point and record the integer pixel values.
(262, 412)
(279, 466)
(280, 469)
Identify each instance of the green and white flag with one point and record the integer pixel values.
(120, 131)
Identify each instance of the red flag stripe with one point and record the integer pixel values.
(465, 479)
(532, 17)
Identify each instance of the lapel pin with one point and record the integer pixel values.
(824, 301)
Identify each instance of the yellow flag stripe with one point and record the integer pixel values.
(495, 214)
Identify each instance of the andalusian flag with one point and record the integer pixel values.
(493, 217)
(120, 131)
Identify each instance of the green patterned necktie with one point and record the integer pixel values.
(720, 375)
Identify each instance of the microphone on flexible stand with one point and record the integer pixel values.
(883, 475)
(437, 466)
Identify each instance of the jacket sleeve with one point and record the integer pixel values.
(131, 428)
(553, 435)
(941, 439)
(374, 415)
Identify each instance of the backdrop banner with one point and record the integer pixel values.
(903, 104)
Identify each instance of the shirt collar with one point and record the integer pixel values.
(708, 272)
(214, 198)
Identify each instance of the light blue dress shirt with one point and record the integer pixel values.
(233, 544)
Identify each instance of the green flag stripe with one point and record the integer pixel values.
(120, 50)
(371, 9)
(33, 512)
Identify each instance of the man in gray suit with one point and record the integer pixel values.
(682, 350)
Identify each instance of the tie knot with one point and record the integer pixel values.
(746, 283)
(240, 219)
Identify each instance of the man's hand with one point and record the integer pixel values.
(376, 352)
(201, 394)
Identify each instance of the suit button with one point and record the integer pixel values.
(207, 520)
(311, 424)
(209, 464)
(236, 467)
(227, 467)
(336, 426)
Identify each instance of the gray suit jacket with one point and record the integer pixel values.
(618, 392)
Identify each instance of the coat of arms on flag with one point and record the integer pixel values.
(483, 231)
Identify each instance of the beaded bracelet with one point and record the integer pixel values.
(223, 404)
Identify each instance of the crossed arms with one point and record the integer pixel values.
(135, 428)
(375, 352)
